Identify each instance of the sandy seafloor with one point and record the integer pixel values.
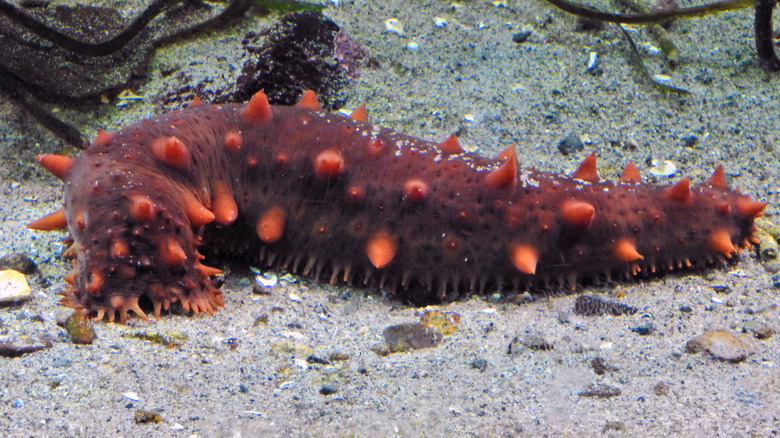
(467, 76)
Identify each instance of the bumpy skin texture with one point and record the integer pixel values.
(341, 200)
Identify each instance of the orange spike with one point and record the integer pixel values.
(625, 250)
(329, 163)
(196, 101)
(258, 109)
(748, 208)
(196, 212)
(172, 252)
(119, 249)
(132, 304)
(225, 208)
(681, 192)
(141, 208)
(416, 189)
(360, 113)
(631, 173)
(50, 222)
(172, 151)
(524, 257)
(505, 175)
(58, 165)
(71, 277)
(578, 214)
(720, 240)
(103, 138)
(270, 226)
(381, 249)
(309, 101)
(233, 140)
(718, 178)
(206, 271)
(587, 170)
(450, 145)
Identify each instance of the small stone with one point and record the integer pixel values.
(80, 329)
(17, 403)
(686, 309)
(588, 305)
(143, 417)
(444, 321)
(537, 343)
(13, 287)
(570, 144)
(18, 262)
(600, 390)
(403, 337)
(643, 329)
(338, 357)
(15, 349)
(521, 37)
(759, 330)
(723, 345)
(600, 366)
(328, 389)
(317, 360)
(661, 388)
(480, 364)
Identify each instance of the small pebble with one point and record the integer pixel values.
(661, 388)
(521, 37)
(328, 389)
(570, 144)
(759, 330)
(17, 403)
(723, 345)
(480, 364)
(403, 337)
(392, 25)
(600, 366)
(600, 390)
(439, 22)
(18, 262)
(80, 329)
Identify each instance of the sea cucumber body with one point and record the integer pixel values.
(343, 201)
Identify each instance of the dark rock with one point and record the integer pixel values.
(328, 389)
(317, 360)
(18, 262)
(521, 37)
(480, 364)
(600, 366)
(570, 144)
(17, 349)
(588, 305)
(403, 337)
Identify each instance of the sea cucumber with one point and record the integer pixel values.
(338, 199)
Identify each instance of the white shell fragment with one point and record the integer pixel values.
(665, 169)
(593, 58)
(392, 25)
(266, 280)
(439, 22)
(13, 287)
